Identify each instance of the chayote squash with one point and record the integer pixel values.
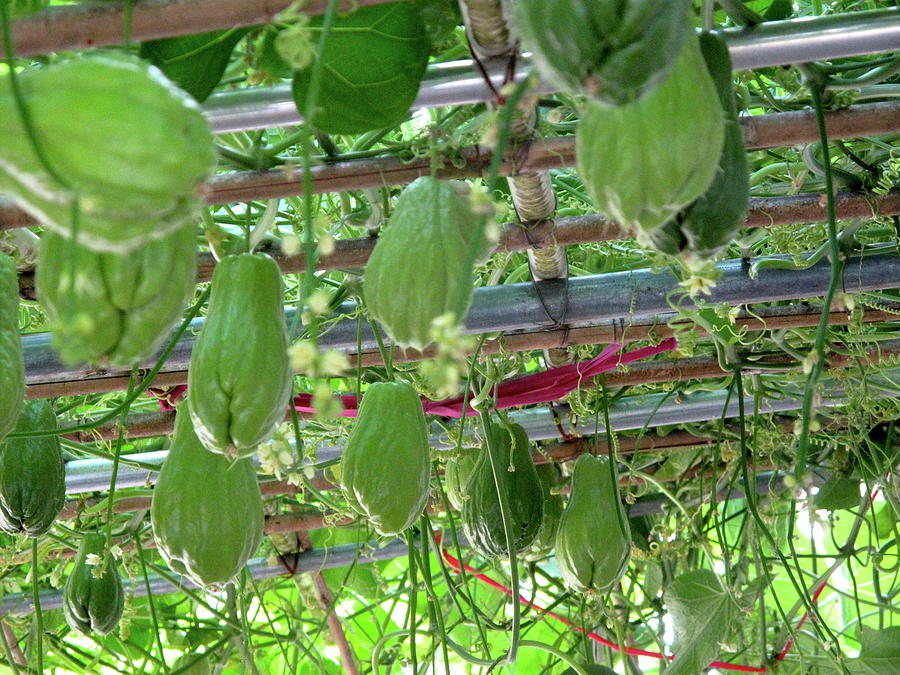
(386, 466)
(123, 304)
(553, 507)
(240, 377)
(593, 542)
(92, 604)
(207, 511)
(506, 450)
(421, 267)
(12, 367)
(613, 50)
(456, 475)
(32, 474)
(132, 145)
(714, 218)
(644, 162)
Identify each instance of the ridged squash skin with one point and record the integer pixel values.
(93, 605)
(456, 475)
(240, 376)
(644, 162)
(124, 304)
(508, 448)
(12, 367)
(207, 511)
(715, 218)
(420, 267)
(613, 50)
(386, 466)
(545, 540)
(32, 474)
(133, 146)
(593, 542)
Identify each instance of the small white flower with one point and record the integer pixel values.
(92, 559)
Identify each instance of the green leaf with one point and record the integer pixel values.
(195, 63)
(373, 63)
(885, 521)
(880, 653)
(838, 493)
(21, 8)
(702, 612)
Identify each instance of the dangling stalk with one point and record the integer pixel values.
(36, 599)
(150, 603)
(507, 532)
(411, 556)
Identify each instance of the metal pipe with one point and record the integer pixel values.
(760, 131)
(540, 423)
(308, 561)
(91, 25)
(618, 296)
(459, 82)
(342, 556)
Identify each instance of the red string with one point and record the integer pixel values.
(458, 566)
(544, 387)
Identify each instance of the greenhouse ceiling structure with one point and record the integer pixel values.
(450, 336)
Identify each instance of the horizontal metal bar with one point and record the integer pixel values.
(101, 24)
(461, 82)
(308, 561)
(342, 556)
(762, 212)
(540, 423)
(619, 296)
(777, 43)
(760, 131)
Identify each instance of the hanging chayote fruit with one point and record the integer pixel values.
(644, 162)
(32, 474)
(545, 540)
(711, 221)
(504, 471)
(120, 150)
(207, 511)
(93, 601)
(386, 466)
(593, 542)
(613, 50)
(422, 265)
(240, 376)
(123, 304)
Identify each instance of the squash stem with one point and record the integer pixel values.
(507, 531)
(411, 552)
(38, 615)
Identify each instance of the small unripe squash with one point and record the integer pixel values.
(93, 604)
(456, 476)
(422, 266)
(593, 542)
(612, 50)
(386, 466)
(645, 161)
(506, 451)
(32, 474)
(207, 511)
(123, 305)
(553, 507)
(240, 376)
(132, 147)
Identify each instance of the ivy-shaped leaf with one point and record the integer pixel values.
(373, 63)
(838, 492)
(702, 612)
(880, 653)
(195, 63)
